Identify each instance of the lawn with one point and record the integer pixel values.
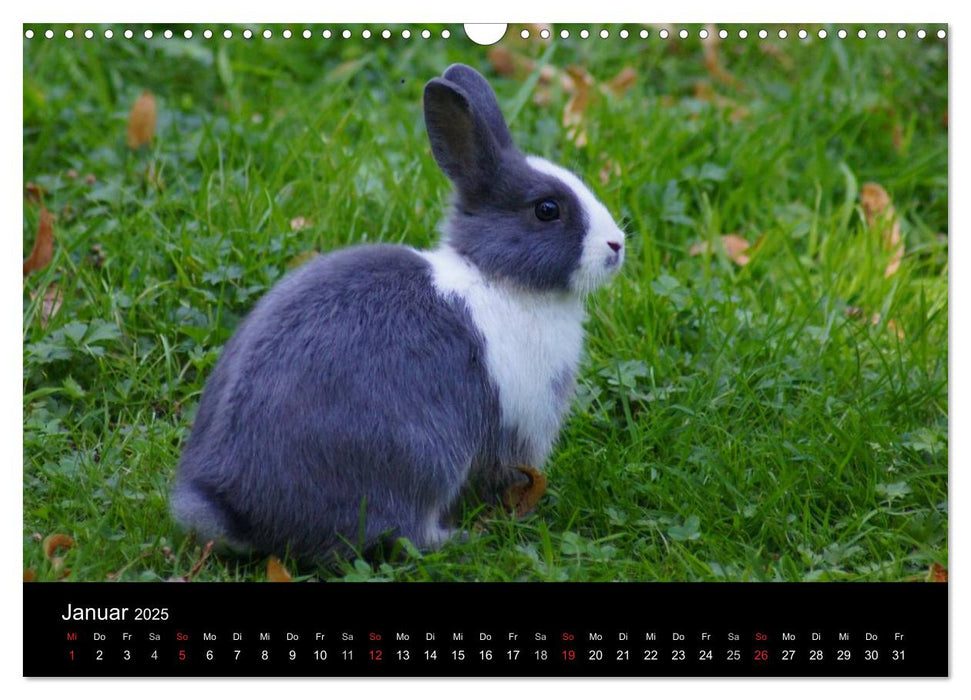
(777, 413)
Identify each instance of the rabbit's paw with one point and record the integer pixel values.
(522, 496)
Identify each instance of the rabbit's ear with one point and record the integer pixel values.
(483, 98)
(462, 142)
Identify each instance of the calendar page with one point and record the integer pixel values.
(485, 350)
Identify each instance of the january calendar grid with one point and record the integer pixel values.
(663, 307)
(650, 630)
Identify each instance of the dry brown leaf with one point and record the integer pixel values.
(34, 193)
(712, 58)
(522, 497)
(51, 544)
(875, 200)
(141, 120)
(277, 572)
(50, 304)
(299, 223)
(878, 211)
(30, 575)
(502, 60)
(43, 250)
(735, 248)
(509, 63)
(937, 574)
(622, 82)
(581, 83)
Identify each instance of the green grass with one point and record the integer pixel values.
(732, 422)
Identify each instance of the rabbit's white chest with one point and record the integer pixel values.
(533, 344)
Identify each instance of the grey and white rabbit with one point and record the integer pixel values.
(374, 385)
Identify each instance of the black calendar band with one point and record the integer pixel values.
(480, 629)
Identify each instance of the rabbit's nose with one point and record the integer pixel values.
(615, 246)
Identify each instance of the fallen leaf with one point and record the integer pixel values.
(937, 574)
(50, 304)
(879, 212)
(712, 58)
(34, 193)
(502, 61)
(300, 223)
(43, 250)
(51, 544)
(141, 120)
(30, 575)
(522, 497)
(622, 82)
(276, 571)
(579, 102)
(735, 248)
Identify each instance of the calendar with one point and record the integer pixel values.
(440, 350)
(637, 630)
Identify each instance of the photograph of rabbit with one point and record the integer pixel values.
(594, 303)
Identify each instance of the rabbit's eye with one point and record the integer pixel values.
(547, 210)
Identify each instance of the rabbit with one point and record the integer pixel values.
(373, 387)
